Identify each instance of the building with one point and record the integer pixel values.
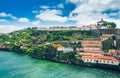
(64, 49)
(112, 51)
(110, 31)
(106, 36)
(92, 49)
(69, 49)
(100, 24)
(110, 60)
(89, 27)
(2, 46)
(91, 53)
(115, 32)
(91, 42)
(117, 54)
(58, 28)
(79, 50)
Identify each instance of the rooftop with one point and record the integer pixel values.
(108, 58)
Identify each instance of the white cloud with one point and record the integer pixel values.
(11, 16)
(73, 1)
(23, 20)
(3, 14)
(90, 11)
(35, 11)
(36, 22)
(9, 28)
(60, 5)
(44, 7)
(51, 15)
(3, 20)
(112, 14)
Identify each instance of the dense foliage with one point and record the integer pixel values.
(110, 24)
(38, 44)
(108, 44)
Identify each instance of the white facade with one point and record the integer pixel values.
(65, 49)
(110, 62)
(104, 27)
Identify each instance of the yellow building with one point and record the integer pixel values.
(112, 51)
(105, 36)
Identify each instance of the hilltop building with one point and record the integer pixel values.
(100, 24)
(58, 28)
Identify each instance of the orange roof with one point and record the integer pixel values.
(91, 53)
(109, 58)
(91, 39)
(57, 46)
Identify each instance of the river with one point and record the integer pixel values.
(14, 65)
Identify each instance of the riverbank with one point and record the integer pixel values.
(14, 65)
(43, 45)
(81, 63)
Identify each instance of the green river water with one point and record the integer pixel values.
(14, 65)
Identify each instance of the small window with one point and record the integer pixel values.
(104, 61)
(87, 60)
(96, 61)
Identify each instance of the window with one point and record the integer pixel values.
(104, 61)
(96, 61)
(87, 60)
(99, 60)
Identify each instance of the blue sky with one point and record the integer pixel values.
(17, 14)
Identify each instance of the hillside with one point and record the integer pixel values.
(38, 44)
(31, 36)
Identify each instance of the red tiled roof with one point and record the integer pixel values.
(57, 46)
(109, 58)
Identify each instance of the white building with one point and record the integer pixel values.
(65, 49)
(101, 60)
(100, 24)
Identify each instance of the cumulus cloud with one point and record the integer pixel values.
(9, 28)
(23, 20)
(73, 1)
(3, 14)
(44, 7)
(11, 16)
(60, 5)
(51, 15)
(35, 11)
(89, 11)
(36, 22)
(3, 20)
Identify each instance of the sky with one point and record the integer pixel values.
(19, 14)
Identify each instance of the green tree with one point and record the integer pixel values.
(108, 44)
(109, 24)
